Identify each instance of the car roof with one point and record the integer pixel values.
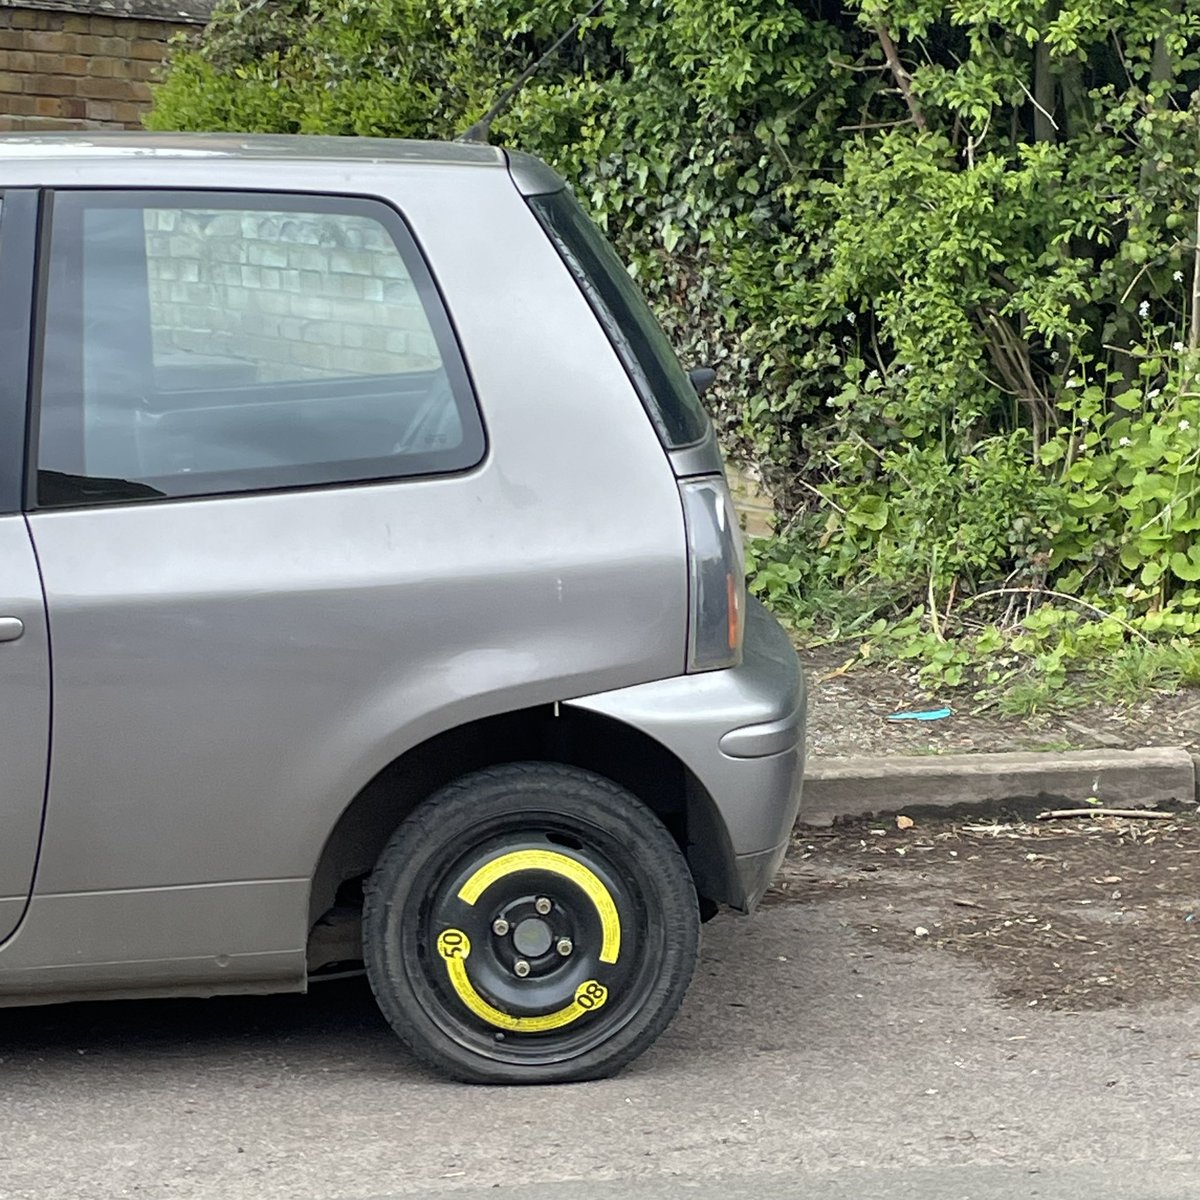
(257, 147)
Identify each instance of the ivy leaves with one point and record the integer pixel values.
(960, 346)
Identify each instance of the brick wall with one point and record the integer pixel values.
(288, 295)
(85, 64)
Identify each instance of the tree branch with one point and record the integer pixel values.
(873, 125)
(901, 76)
(478, 132)
(1194, 331)
(1045, 88)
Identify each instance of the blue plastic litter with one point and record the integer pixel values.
(932, 714)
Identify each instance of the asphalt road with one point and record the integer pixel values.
(798, 1068)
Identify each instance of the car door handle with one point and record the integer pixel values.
(11, 628)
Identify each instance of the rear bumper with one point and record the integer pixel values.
(740, 735)
(754, 875)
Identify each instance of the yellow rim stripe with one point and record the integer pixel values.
(555, 864)
(454, 946)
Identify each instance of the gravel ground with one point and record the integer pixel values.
(848, 712)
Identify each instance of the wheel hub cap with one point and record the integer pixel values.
(533, 938)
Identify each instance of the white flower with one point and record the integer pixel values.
(1177, 347)
(850, 318)
(1178, 277)
(1054, 356)
(1144, 308)
(1072, 382)
(1185, 425)
(1124, 442)
(1153, 393)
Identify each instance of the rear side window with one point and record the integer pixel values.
(217, 342)
(644, 350)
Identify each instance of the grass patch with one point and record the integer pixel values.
(1053, 659)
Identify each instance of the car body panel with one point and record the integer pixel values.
(761, 704)
(205, 940)
(118, 147)
(221, 692)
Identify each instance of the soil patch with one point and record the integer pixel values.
(848, 714)
(1086, 914)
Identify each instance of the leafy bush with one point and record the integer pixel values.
(941, 253)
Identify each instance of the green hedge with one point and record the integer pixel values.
(942, 254)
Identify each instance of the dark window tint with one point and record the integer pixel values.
(207, 343)
(664, 387)
(18, 234)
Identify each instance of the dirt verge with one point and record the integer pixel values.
(848, 711)
(1069, 915)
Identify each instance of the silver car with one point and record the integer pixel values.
(372, 597)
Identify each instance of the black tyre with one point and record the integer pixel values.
(530, 923)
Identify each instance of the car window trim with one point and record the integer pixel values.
(595, 286)
(380, 208)
(18, 254)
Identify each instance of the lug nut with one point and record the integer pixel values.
(565, 946)
(499, 926)
(521, 967)
(543, 905)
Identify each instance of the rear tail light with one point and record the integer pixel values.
(717, 575)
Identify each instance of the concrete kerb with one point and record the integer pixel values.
(844, 789)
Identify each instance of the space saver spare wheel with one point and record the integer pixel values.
(530, 923)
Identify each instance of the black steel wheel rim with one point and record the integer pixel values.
(463, 956)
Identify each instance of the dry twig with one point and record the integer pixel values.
(1134, 814)
(1030, 592)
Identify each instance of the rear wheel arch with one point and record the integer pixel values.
(571, 737)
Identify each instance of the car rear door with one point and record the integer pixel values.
(24, 653)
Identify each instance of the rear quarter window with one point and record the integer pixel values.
(208, 343)
(639, 340)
